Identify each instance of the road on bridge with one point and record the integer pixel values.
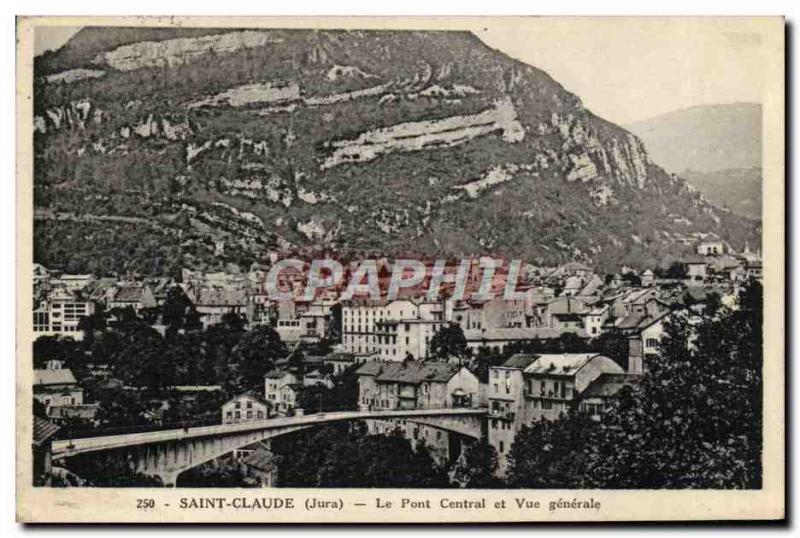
(72, 447)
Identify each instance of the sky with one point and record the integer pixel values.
(624, 70)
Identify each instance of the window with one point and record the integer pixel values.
(238, 414)
(228, 414)
(547, 404)
(502, 447)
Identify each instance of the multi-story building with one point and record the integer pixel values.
(695, 271)
(644, 327)
(214, 302)
(600, 395)
(711, 248)
(390, 330)
(55, 387)
(496, 340)
(135, 296)
(60, 313)
(280, 390)
(245, 407)
(416, 385)
(527, 388)
(490, 314)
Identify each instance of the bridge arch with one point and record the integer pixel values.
(167, 453)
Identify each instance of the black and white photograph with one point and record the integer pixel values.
(525, 255)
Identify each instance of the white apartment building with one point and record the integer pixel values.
(391, 330)
(60, 314)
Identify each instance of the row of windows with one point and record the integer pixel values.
(238, 414)
(65, 400)
(502, 424)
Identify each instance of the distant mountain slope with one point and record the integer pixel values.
(739, 189)
(704, 138)
(226, 144)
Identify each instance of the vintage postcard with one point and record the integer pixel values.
(400, 269)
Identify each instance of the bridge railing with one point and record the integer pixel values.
(70, 434)
(77, 433)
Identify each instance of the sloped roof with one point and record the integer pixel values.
(129, 294)
(575, 266)
(567, 305)
(372, 368)
(251, 395)
(640, 295)
(261, 459)
(277, 374)
(520, 361)
(559, 364)
(516, 333)
(654, 311)
(340, 356)
(217, 296)
(412, 372)
(60, 376)
(592, 286)
(43, 430)
(607, 385)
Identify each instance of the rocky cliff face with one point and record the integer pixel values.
(384, 142)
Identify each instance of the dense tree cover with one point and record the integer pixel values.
(218, 474)
(148, 365)
(342, 395)
(255, 355)
(477, 467)
(343, 455)
(610, 343)
(108, 472)
(695, 421)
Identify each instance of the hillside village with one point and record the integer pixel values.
(570, 344)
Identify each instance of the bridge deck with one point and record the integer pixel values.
(90, 444)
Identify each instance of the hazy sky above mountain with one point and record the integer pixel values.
(624, 70)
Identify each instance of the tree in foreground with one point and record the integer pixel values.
(477, 467)
(693, 422)
(448, 342)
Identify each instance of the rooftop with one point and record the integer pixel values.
(60, 376)
(607, 385)
(559, 364)
(412, 372)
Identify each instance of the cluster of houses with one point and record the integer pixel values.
(386, 343)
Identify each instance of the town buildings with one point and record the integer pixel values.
(60, 314)
(281, 388)
(390, 330)
(245, 407)
(527, 388)
(56, 387)
(416, 385)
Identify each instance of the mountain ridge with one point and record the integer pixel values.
(357, 141)
(704, 138)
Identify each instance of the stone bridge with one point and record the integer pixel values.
(167, 453)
